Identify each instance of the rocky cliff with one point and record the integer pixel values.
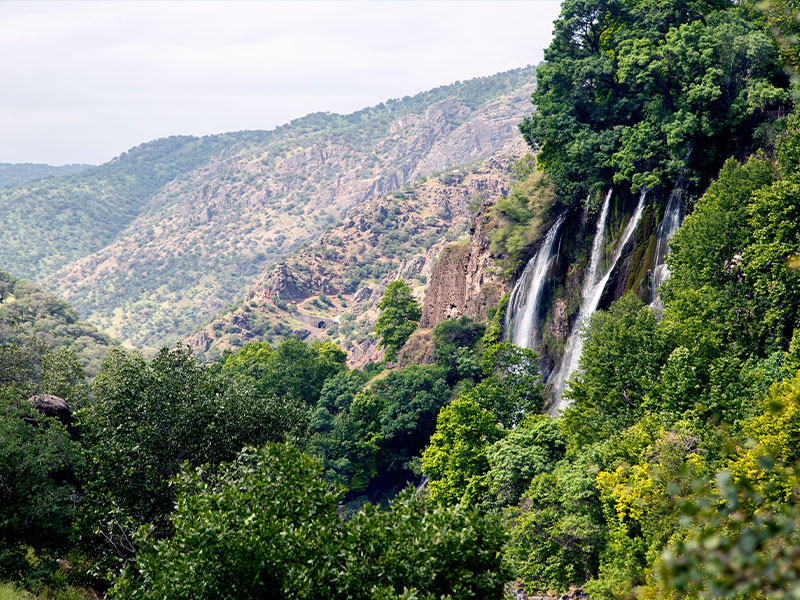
(466, 279)
(204, 236)
(329, 289)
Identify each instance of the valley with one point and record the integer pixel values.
(530, 335)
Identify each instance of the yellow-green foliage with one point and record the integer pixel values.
(520, 218)
(12, 592)
(770, 461)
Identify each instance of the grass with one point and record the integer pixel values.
(11, 592)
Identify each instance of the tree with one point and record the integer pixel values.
(621, 359)
(294, 369)
(146, 421)
(456, 460)
(741, 536)
(534, 447)
(636, 92)
(400, 314)
(266, 527)
(363, 433)
(454, 341)
(37, 500)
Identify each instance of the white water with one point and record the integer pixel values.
(523, 305)
(591, 294)
(666, 229)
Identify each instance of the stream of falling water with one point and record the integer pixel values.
(670, 223)
(591, 293)
(523, 305)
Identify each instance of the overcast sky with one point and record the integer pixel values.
(84, 81)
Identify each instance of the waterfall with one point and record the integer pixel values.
(523, 305)
(597, 246)
(591, 294)
(666, 229)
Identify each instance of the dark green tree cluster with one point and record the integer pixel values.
(472, 428)
(292, 369)
(679, 476)
(152, 477)
(635, 92)
(267, 527)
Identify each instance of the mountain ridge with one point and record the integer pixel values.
(205, 235)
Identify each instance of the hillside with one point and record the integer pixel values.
(170, 259)
(329, 289)
(26, 310)
(72, 216)
(12, 174)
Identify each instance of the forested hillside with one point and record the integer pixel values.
(12, 174)
(625, 423)
(48, 223)
(28, 312)
(330, 289)
(155, 242)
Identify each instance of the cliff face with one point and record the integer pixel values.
(465, 280)
(205, 236)
(329, 289)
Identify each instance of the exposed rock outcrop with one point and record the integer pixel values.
(465, 280)
(330, 289)
(56, 408)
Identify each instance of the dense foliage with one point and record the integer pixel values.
(48, 223)
(400, 314)
(635, 92)
(148, 419)
(12, 174)
(674, 472)
(268, 528)
(28, 311)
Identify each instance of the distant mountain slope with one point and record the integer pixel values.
(330, 288)
(203, 237)
(12, 174)
(28, 310)
(48, 223)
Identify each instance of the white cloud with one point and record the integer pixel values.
(84, 81)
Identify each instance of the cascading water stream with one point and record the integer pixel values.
(670, 223)
(591, 294)
(523, 305)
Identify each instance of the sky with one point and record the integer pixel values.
(85, 81)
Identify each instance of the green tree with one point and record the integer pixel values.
(146, 421)
(400, 314)
(629, 88)
(622, 358)
(534, 447)
(558, 530)
(293, 369)
(454, 343)
(456, 460)
(37, 495)
(267, 528)
(363, 433)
